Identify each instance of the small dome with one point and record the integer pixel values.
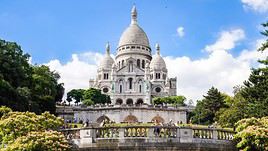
(157, 61)
(134, 34)
(107, 62)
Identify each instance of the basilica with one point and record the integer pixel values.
(135, 76)
(132, 80)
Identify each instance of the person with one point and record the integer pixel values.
(156, 128)
(170, 123)
(86, 124)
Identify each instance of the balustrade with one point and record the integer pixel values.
(107, 132)
(71, 133)
(152, 131)
(225, 135)
(167, 132)
(202, 133)
(136, 131)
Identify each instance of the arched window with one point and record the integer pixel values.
(157, 75)
(130, 66)
(138, 63)
(139, 101)
(130, 83)
(120, 86)
(129, 101)
(122, 63)
(119, 64)
(119, 101)
(105, 76)
(140, 85)
(143, 64)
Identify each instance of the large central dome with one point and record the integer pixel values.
(134, 34)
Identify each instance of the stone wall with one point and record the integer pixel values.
(139, 145)
(145, 138)
(121, 114)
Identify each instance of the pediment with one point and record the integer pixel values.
(125, 69)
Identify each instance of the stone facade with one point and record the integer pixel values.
(132, 80)
(135, 76)
(133, 114)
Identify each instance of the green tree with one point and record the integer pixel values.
(252, 134)
(44, 89)
(18, 128)
(174, 100)
(206, 109)
(4, 110)
(60, 92)
(76, 94)
(38, 141)
(14, 66)
(255, 89)
(25, 87)
(95, 96)
(235, 111)
(15, 73)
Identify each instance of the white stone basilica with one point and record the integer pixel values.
(134, 77)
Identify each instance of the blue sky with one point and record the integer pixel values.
(60, 33)
(56, 29)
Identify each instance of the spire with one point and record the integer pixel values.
(134, 15)
(108, 48)
(157, 47)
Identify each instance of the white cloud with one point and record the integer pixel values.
(77, 72)
(227, 40)
(220, 69)
(256, 5)
(180, 31)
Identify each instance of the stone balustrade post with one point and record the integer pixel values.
(151, 132)
(186, 134)
(215, 134)
(87, 136)
(121, 135)
(178, 135)
(93, 135)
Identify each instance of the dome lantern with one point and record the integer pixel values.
(107, 48)
(134, 15)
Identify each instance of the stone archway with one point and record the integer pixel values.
(102, 118)
(129, 102)
(118, 101)
(131, 119)
(158, 119)
(139, 101)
